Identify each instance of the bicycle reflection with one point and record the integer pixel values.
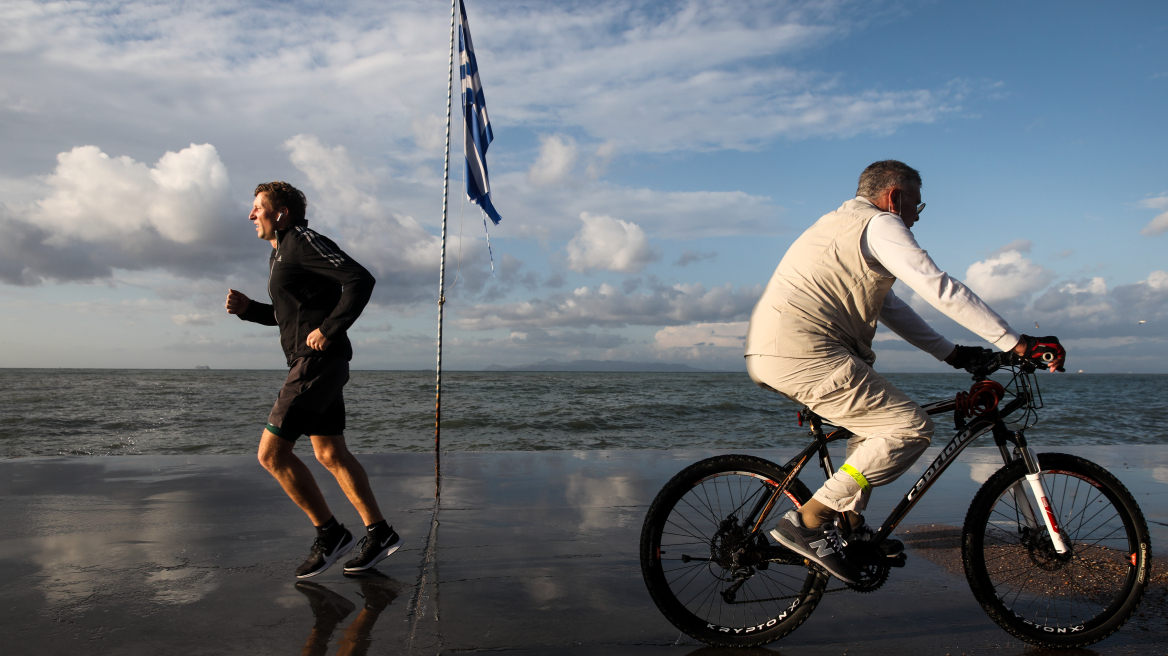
(734, 651)
(330, 609)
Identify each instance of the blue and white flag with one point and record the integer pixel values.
(476, 126)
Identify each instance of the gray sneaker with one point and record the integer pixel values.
(821, 546)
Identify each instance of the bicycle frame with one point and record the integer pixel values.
(979, 426)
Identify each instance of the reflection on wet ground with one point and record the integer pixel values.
(329, 609)
(534, 553)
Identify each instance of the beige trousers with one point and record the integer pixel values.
(891, 430)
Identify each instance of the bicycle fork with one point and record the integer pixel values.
(1042, 498)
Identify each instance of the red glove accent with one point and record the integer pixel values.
(1045, 351)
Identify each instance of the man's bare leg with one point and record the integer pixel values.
(815, 513)
(275, 454)
(332, 452)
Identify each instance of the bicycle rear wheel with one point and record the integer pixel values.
(704, 571)
(1043, 597)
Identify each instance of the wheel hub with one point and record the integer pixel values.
(727, 544)
(1042, 552)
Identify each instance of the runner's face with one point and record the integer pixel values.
(264, 217)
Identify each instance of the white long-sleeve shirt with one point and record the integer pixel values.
(890, 249)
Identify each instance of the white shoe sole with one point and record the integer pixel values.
(329, 560)
(388, 551)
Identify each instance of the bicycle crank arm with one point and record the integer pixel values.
(781, 555)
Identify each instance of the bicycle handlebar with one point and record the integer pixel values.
(991, 361)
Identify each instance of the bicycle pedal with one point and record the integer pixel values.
(898, 561)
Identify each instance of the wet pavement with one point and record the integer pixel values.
(531, 553)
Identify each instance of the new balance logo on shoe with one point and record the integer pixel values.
(821, 545)
(822, 548)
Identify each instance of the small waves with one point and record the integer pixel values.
(132, 412)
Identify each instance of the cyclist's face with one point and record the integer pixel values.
(904, 203)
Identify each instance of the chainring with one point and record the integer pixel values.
(872, 564)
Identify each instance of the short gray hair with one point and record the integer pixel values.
(886, 174)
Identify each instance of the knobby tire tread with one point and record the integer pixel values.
(671, 496)
(1128, 512)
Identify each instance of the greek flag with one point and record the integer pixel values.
(476, 126)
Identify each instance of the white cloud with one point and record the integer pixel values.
(714, 74)
(395, 247)
(607, 306)
(1089, 310)
(193, 320)
(182, 198)
(553, 212)
(689, 257)
(1096, 285)
(598, 163)
(1090, 297)
(1159, 224)
(557, 158)
(98, 213)
(610, 244)
(641, 76)
(429, 132)
(1007, 276)
(1019, 245)
(728, 335)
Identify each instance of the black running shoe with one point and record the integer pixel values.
(373, 550)
(325, 552)
(821, 546)
(889, 547)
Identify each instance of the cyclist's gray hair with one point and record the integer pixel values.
(886, 174)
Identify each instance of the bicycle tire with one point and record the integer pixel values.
(1036, 595)
(696, 513)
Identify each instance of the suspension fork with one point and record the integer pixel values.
(1036, 485)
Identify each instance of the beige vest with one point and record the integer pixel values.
(823, 294)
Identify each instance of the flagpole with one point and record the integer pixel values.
(442, 264)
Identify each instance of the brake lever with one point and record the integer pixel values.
(989, 363)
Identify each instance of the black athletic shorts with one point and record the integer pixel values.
(310, 402)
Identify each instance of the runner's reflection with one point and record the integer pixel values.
(329, 609)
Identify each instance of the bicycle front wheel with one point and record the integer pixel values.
(707, 573)
(1036, 594)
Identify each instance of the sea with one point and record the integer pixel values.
(104, 412)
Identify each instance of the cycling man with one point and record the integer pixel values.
(317, 293)
(810, 339)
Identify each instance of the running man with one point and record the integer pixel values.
(810, 339)
(317, 293)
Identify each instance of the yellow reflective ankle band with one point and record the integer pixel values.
(855, 473)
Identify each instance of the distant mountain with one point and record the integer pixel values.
(597, 365)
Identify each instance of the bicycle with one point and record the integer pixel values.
(1055, 548)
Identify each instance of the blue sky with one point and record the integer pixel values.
(652, 163)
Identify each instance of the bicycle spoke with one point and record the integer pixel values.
(731, 585)
(1069, 589)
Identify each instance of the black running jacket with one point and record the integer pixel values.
(313, 284)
